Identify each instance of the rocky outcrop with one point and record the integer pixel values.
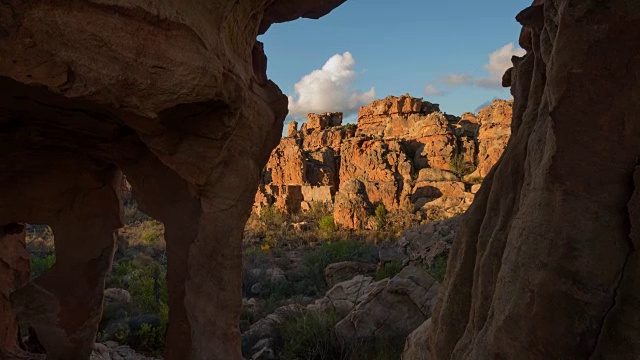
(319, 122)
(493, 134)
(417, 345)
(344, 296)
(404, 151)
(352, 208)
(175, 96)
(346, 270)
(422, 245)
(292, 129)
(113, 351)
(544, 263)
(381, 166)
(392, 309)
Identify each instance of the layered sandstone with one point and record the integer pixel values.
(175, 96)
(544, 264)
(402, 154)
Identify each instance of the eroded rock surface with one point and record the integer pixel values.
(175, 96)
(392, 309)
(406, 154)
(544, 264)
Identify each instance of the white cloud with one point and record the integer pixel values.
(499, 62)
(329, 89)
(456, 79)
(431, 90)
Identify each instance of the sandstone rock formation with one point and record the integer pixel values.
(423, 244)
(393, 307)
(417, 344)
(544, 263)
(402, 154)
(493, 134)
(174, 95)
(113, 351)
(347, 270)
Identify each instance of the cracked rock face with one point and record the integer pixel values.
(175, 96)
(544, 264)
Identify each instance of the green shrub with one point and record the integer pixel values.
(381, 216)
(438, 268)
(132, 214)
(317, 210)
(388, 270)
(328, 253)
(272, 217)
(150, 338)
(327, 225)
(460, 167)
(311, 336)
(40, 265)
(150, 236)
(148, 288)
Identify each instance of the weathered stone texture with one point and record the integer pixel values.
(544, 263)
(175, 96)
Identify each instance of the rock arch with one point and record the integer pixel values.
(172, 94)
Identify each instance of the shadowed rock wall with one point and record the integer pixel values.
(175, 96)
(544, 265)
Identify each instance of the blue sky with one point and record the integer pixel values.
(395, 48)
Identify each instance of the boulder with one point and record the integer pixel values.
(393, 308)
(424, 243)
(390, 252)
(113, 351)
(346, 270)
(267, 328)
(343, 297)
(417, 345)
(114, 295)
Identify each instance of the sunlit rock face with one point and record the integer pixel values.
(406, 153)
(175, 96)
(544, 264)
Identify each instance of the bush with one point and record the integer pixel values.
(460, 167)
(151, 235)
(381, 216)
(311, 336)
(147, 284)
(272, 217)
(132, 214)
(40, 265)
(327, 225)
(388, 270)
(329, 253)
(274, 222)
(317, 210)
(438, 268)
